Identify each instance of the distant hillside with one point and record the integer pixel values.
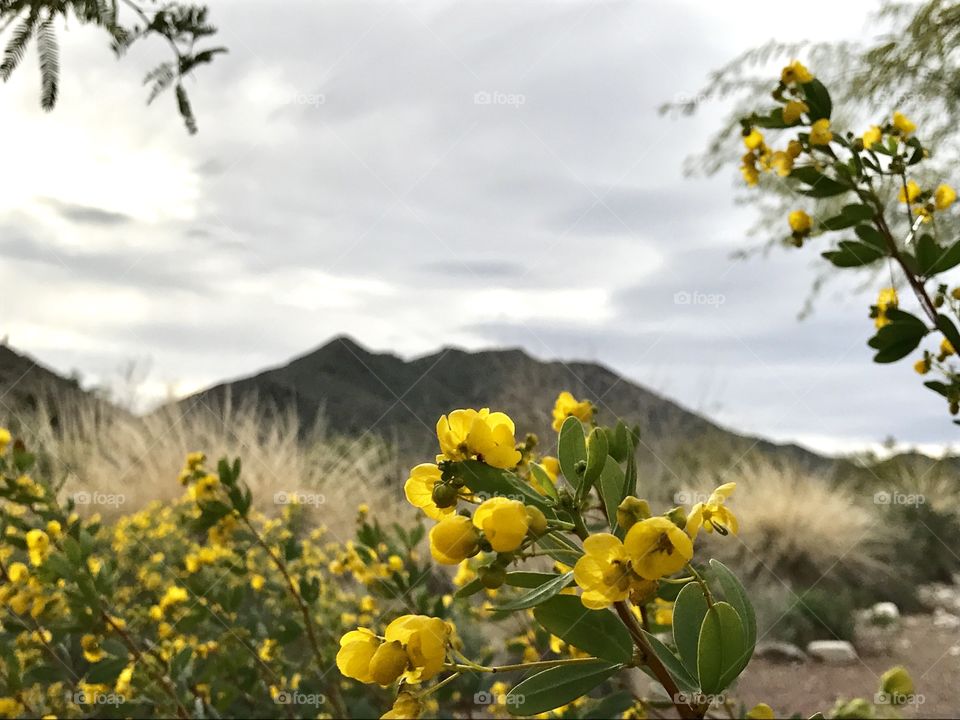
(362, 392)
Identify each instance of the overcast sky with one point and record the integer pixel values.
(422, 174)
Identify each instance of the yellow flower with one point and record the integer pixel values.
(793, 110)
(388, 663)
(714, 513)
(453, 540)
(944, 196)
(10, 707)
(872, 136)
(922, 366)
(357, 648)
(551, 466)
(504, 523)
(54, 529)
(425, 639)
(603, 572)
(903, 124)
(91, 648)
(567, 405)
(419, 491)
(753, 139)
(405, 707)
(257, 582)
(122, 686)
(657, 547)
(172, 596)
(205, 488)
(750, 174)
(18, 573)
(910, 193)
(794, 148)
(820, 132)
(5, 439)
(799, 221)
(38, 546)
(479, 434)
(761, 711)
(946, 347)
(782, 163)
(886, 300)
(795, 72)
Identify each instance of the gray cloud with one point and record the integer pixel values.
(88, 215)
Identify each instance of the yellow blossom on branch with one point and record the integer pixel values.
(657, 547)
(568, 406)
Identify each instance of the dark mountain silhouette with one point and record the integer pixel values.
(360, 392)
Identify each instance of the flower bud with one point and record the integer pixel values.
(538, 521)
(678, 516)
(444, 495)
(632, 510)
(897, 684)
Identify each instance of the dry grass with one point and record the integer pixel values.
(91, 449)
(800, 529)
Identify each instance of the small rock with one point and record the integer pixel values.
(943, 619)
(884, 613)
(954, 650)
(780, 652)
(832, 652)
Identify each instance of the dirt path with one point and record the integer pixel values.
(923, 649)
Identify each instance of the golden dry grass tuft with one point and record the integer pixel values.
(93, 449)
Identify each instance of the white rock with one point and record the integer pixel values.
(884, 613)
(780, 652)
(832, 652)
(943, 619)
(954, 650)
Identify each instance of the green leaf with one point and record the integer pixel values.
(538, 594)
(928, 254)
(560, 547)
(611, 486)
(543, 480)
(490, 481)
(471, 588)
(950, 258)
(571, 449)
(612, 706)
(820, 185)
(672, 663)
(899, 338)
(106, 671)
(597, 456)
(849, 216)
(949, 330)
(818, 100)
(557, 686)
(938, 387)
(735, 594)
(870, 235)
(598, 632)
(528, 579)
(689, 611)
(852, 253)
(721, 648)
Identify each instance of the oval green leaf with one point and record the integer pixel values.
(557, 686)
(721, 648)
(598, 632)
(688, 612)
(538, 594)
(571, 449)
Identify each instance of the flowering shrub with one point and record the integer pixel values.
(621, 573)
(872, 184)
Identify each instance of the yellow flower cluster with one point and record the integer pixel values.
(412, 646)
(568, 406)
(480, 435)
(611, 571)
(886, 300)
